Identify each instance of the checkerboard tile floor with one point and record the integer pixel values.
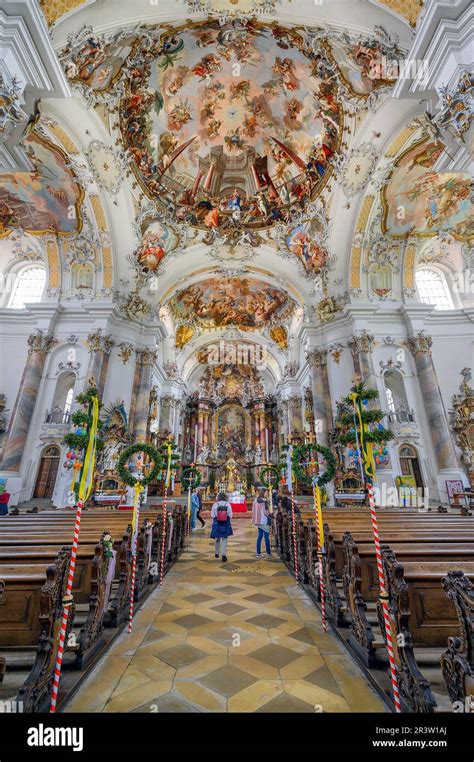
(236, 637)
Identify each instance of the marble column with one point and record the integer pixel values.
(420, 346)
(295, 414)
(200, 431)
(285, 421)
(100, 347)
(317, 361)
(39, 345)
(262, 430)
(165, 413)
(361, 348)
(145, 361)
(205, 428)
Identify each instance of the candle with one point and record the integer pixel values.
(266, 444)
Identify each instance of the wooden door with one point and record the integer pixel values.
(47, 473)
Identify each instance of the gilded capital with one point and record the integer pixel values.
(316, 358)
(420, 343)
(363, 342)
(99, 342)
(41, 342)
(146, 356)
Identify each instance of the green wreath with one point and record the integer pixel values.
(147, 449)
(301, 453)
(269, 470)
(190, 477)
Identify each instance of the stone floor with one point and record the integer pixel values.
(235, 637)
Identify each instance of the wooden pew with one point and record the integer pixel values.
(97, 565)
(430, 546)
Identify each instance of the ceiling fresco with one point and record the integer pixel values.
(231, 125)
(44, 200)
(245, 303)
(419, 200)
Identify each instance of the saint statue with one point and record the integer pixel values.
(232, 474)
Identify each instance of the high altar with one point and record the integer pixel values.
(231, 427)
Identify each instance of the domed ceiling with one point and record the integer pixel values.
(240, 112)
(230, 123)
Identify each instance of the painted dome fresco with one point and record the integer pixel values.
(229, 124)
(225, 121)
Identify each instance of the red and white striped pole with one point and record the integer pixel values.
(295, 544)
(133, 572)
(384, 599)
(163, 535)
(67, 601)
(132, 590)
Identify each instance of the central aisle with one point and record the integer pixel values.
(237, 637)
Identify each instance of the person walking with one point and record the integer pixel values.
(275, 498)
(221, 515)
(194, 508)
(198, 513)
(261, 518)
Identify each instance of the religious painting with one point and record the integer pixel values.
(184, 334)
(94, 61)
(243, 146)
(231, 431)
(279, 335)
(46, 199)
(158, 240)
(244, 302)
(366, 65)
(303, 243)
(417, 199)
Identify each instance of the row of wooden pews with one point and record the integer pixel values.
(34, 560)
(428, 562)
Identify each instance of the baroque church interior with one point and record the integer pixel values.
(236, 255)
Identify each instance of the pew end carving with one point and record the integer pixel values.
(457, 662)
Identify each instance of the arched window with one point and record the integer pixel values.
(69, 398)
(390, 400)
(433, 289)
(28, 288)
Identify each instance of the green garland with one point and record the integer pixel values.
(190, 477)
(269, 470)
(147, 449)
(304, 452)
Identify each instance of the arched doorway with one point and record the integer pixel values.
(47, 473)
(409, 464)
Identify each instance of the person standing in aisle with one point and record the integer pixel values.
(261, 518)
(221, 515)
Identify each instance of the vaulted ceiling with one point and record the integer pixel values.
(231, 174)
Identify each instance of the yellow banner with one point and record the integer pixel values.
(319, 514)
(87, 478)
(136, 502)
(168, 470)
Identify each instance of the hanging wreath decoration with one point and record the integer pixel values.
(190, 477)
(269, 471)
(127, 453)
(304, 453)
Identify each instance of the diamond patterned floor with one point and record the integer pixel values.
(236, 637)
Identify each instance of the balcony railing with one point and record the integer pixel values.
(58, 416)
(401, 415)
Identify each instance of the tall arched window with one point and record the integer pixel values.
(69, 398)
(28, 288)
(433, 289)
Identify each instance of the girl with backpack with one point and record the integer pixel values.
(261, 518)
(221, 514)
